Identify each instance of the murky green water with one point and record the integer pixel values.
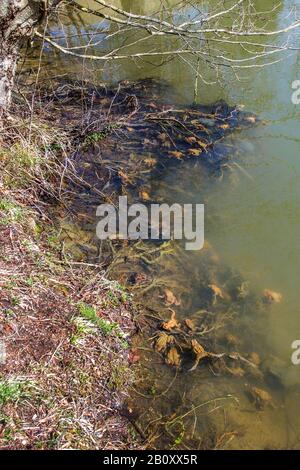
(253, 223)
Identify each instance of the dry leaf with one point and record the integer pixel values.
(170, 298)
(173, 358)
(172, 323)
(190, 324)
(176, 154)
(271, 296)
(224, 126)
(162, 341)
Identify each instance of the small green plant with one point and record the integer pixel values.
(12, 390)
(12, 212)
(15, 301)
(29, 282)
(94, 137)
(106, 327)
(54, 241)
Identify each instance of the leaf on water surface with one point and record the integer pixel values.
(176, 154)
(190, 324)
(170, 298)
(162, 341)
(172, 323)
(270, 296)
(173, 358)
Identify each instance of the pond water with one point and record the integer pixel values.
(252, 223)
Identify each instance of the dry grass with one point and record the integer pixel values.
(64, 325)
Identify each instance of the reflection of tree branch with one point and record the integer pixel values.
(201, 52)
(204, 35)
(172, 28)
